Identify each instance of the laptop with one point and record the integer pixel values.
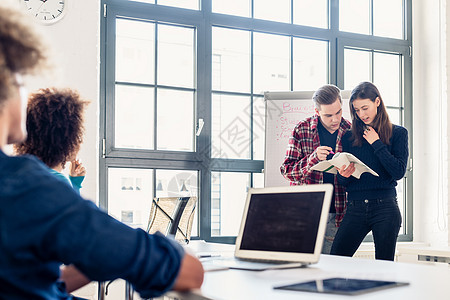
(281, 227)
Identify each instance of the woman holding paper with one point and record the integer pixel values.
(372, 200)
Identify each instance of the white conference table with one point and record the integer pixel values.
(426, 282)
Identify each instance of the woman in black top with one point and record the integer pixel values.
(372, 200)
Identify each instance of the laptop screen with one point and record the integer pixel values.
(283, 222)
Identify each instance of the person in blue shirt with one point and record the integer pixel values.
(55, 132)
(44, 223)
(55, 129)
(372, 200)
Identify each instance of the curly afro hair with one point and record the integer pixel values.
(21, 48)
(55, 126)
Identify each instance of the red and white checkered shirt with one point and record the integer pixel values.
(301, 156)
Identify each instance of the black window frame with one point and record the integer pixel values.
(200, 159)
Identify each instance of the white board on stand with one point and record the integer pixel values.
(284, 110)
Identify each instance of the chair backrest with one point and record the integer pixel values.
(173, 216)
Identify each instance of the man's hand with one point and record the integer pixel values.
(190, 275)
(76, 168)
(323, 151)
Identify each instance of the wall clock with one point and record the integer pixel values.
(45, 11)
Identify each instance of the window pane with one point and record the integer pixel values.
(259, 126)
(394, 115)
(231, 60)
(272, 10)
(258, 180)
(386, 76)
(135, 51)
(179, 183)
(311, 13)
(231, 126)
(130, 194)
(310, 70)
(175, 56)
(134, 117)
(271, 63)
(356, 67)
(176, 183)
(228, 195)
(232, 7)
(189, 4)
(387, 18)
(175, 120)
(354, 16)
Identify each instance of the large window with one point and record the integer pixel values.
(183, 87)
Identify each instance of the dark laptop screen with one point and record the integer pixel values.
(286, 222)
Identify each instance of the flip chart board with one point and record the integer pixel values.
(284, 110)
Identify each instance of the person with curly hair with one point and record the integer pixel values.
(55, 131)
(45, 223)
(54, 125)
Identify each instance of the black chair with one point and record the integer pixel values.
(173, 216)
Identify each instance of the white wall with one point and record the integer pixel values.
(75, 56)
(430, 40)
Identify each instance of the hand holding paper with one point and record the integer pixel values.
(340, 159)
(347, 171)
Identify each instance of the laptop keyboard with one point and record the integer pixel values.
(276, 262)
(249, 264)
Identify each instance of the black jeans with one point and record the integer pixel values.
(381, 216)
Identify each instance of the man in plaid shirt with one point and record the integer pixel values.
(314, 139)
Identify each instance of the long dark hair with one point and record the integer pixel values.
(381, 123)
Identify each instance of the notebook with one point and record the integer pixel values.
(281, 227)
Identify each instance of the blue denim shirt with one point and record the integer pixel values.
(44, 223)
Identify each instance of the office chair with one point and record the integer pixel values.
(173, 216)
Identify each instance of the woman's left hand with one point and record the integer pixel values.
(346, 171)
(370, 135)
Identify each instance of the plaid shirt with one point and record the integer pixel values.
(301, 156)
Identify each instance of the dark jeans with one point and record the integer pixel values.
(381, 216)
